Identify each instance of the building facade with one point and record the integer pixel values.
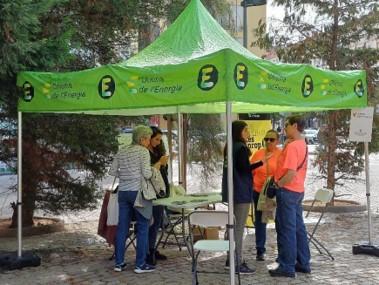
(254, 15)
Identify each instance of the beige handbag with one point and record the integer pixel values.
(266, 204)
(158, 183)
(148, 190)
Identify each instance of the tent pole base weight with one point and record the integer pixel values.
(366, 249)
(10, 260)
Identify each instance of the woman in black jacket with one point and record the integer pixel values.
(243, 186)
(157, 153)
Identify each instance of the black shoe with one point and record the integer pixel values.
(298, 268)
(260, 257)
(279, 273)
(244, 269)
(159, 256)
(150, 259)
(144, 269)
(120, 267)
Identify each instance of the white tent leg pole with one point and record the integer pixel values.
(367, 172)
(19, 185)
(180, 149)
(230, 192)
(169, 137)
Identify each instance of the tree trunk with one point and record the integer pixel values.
(14, 215)
(28, 207)
(332, 147)
(30, 162)
(332, 116)
(144, 37)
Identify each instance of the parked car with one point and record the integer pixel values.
(311, 136)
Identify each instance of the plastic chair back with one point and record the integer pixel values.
(209, 218)
(324, 195)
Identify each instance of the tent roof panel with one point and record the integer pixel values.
(195, 33)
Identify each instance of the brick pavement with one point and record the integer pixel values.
(79, 256)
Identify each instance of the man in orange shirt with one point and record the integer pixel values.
(269, 155)
(293, 249)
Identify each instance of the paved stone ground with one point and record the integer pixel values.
(79, 256)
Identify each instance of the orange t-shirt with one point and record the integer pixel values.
(292, 157)
(260, 173)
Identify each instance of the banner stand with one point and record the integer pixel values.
(360, 131)
(368, 248)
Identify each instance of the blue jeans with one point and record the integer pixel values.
(126, 210)
(292, 239)
(154, 228)
(260, 228)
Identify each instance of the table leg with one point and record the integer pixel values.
(185, 238)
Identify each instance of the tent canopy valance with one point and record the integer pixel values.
(195, 66)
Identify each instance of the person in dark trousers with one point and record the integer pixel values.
(259, 177)
(157, 153)
(293, 248)
(243, 187)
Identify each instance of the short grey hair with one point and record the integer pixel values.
(141, 132)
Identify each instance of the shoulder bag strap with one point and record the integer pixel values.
(114, 181)
(267, 166)
(305, 158)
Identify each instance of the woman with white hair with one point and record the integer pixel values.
(131, 165)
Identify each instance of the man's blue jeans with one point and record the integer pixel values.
(292, 239)
(260, 228)
(126, 210)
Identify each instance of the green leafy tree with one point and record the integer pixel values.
(107, 30)
(24, 45)
(77, 142)
(337, 37)
(36, 36)
(205, 143)
(52, 36)
(66, 35)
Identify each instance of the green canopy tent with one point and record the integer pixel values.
(193, 67)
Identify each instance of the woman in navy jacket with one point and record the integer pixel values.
(242, 184)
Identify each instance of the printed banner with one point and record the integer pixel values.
(361, 124)
(257, 129)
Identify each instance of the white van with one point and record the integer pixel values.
(311, 135)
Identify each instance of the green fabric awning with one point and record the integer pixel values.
(194, 67)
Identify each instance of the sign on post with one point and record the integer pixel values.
(361, 124)
(257, 129)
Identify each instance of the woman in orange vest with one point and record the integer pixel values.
(269, 155)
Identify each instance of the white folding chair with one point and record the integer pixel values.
(324, 196)
(202, 219)
(174, 221)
